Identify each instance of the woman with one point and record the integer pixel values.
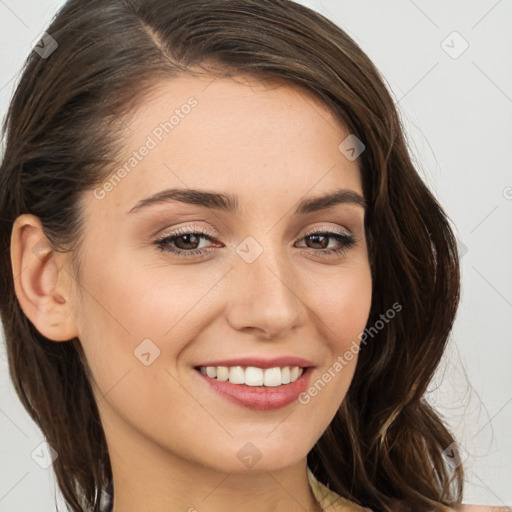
(226, 285)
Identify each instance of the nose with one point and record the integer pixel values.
(265, 298)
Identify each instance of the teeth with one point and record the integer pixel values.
(253, 376)
(272, 377)
(236, 375)
(222, 373)
(294, 373)
(211, 371)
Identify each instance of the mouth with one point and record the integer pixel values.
(252, 375)
(255, 387)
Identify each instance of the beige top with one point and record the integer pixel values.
(332, 502)
(329, 500)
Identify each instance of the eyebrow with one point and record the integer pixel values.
(229, 203)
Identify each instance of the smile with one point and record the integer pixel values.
(252, 375)
(254, 387)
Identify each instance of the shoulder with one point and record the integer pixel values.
(476, 508)
(482, 508)
(332, 502)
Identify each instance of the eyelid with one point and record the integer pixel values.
(213, 234)
(343, 232)
(187, 229)
(344, 237)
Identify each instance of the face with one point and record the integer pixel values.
(171, 283)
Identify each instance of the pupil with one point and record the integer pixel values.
(316, 237)
(187, 241)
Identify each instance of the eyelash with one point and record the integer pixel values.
(347, 241)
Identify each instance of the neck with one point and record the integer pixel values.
(148, 478)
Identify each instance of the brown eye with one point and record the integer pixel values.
(183, 242)
(320, 240)
(186, 242)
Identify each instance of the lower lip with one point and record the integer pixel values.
(262, 398)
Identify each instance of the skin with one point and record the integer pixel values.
(173, 442)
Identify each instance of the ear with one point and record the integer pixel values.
(42, 283)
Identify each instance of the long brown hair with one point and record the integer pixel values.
(384, 448)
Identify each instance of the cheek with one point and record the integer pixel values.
(342, 311)
(343, 306)
(128, 318)
(131, 300)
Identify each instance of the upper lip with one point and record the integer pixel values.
(261, 362)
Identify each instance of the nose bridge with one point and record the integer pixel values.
(266, 297)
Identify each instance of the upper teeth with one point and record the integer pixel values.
(252, 376)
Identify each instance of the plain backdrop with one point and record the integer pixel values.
(449, 68)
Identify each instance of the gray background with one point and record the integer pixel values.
(457, 110)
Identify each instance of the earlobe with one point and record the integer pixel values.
(41, 282)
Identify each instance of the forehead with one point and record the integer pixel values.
(258, 141)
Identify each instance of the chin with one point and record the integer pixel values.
(258, 455)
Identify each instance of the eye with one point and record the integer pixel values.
(186, 242)
(321, 238)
